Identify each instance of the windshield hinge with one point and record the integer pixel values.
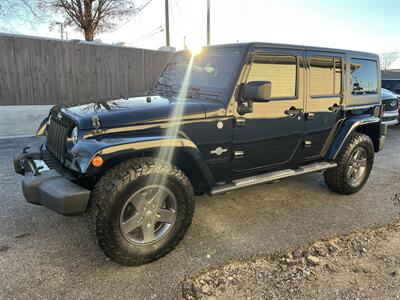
(240, 122)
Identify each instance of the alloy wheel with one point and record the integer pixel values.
(148, 215)
(357, 166)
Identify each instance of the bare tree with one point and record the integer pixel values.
(95, 16)
(15, 11)
(388, 58)
(89, 16)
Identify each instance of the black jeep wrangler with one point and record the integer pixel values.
(229, 117)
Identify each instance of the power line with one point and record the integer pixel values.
(174, 22)
(127, 21)
(148, 34)
(179, 10)
(161, 30)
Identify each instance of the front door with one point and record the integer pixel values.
(324, 98)
(271, 134)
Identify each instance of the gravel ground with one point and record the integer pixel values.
(44, 255)
(364, 264)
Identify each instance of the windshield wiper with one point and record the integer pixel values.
(164, 89)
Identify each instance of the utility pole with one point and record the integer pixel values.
(208, 22)
(167, 22)
(61, 29)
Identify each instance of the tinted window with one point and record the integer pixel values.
(280, 70)
(325, 76)
(364, 77)
(212, 69)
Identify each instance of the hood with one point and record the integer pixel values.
(386, 94)
(131, 111)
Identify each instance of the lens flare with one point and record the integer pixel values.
(166, 153)
(196, 50)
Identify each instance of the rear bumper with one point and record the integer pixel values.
(390, 117)
(48, 187)
(382, 140)
(382, 137)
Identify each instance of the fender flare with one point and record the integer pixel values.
(42, 127)
(109, 148)
(346, 129)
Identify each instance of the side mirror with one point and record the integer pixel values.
(258, 91)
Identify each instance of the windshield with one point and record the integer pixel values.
(212, 70)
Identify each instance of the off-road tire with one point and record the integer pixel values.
(336, 179)
(114, 189)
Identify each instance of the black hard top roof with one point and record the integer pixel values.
(298, 47)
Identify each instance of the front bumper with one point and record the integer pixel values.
(48, 187)
(31, 152)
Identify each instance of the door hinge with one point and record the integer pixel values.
(240, 122)
(307, 144)
(310, 116)
(239, 154)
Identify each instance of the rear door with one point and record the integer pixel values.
(324, 96)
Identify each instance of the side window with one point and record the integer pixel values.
(364, 77)
(280, 70)
(325, 76)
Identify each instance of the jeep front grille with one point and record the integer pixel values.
(57, 137)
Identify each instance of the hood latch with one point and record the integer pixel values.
(96, 125)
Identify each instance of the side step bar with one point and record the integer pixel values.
(270, 177)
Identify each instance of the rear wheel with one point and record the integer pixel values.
(354, 164)
(142, 208)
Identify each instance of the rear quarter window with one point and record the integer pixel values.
(364, 77)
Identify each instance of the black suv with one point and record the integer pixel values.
(229, 117)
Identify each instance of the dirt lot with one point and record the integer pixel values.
(365, 264)
(44, 255)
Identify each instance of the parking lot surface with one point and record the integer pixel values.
(45, 255)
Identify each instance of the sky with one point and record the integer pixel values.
(368, 25)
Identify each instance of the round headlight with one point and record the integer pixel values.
(74, 135)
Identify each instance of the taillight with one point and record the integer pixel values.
(398, 105)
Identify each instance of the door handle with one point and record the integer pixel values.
(334, 108)
(293, 111)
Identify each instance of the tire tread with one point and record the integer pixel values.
(335, 178)
(107, 191)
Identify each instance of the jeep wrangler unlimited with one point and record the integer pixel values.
(229, 117)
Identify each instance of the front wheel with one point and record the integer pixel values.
(142, 208)
(354, 164)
